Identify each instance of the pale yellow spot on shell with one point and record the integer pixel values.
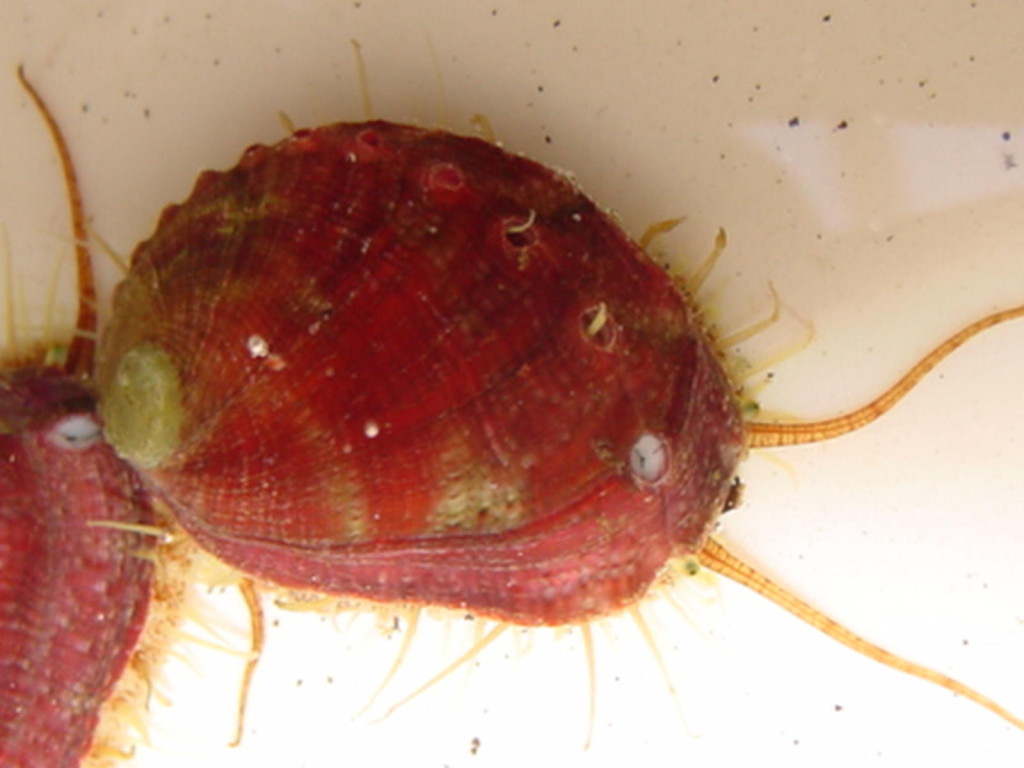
(142, 407)
(472, 499)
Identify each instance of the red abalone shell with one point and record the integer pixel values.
(73, 594)
(396, 363)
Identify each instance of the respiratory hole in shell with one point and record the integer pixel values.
(76, 432)
(649, 459)
(445, 177)
(369, 138)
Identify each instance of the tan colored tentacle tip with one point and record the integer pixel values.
(697, 280)
(412, 617)
(754, 378)
(175, 599)
(747, 332)
(702, 591)
(286, 122)
(715, 557)
(658, 228)
(482, 125)
(162, 535)
(24, 340)
(771, 435)
(118, 259)
(82, 348)
(257, 625)
(474, 651)
(186, 578)
(364, 81)
(215, 574)
(733, 339)
(659, 659)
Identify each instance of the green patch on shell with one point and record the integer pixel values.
(142, 409)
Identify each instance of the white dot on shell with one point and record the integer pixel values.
(258, 346)
(371, 429)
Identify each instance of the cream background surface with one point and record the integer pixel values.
(863, 159)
